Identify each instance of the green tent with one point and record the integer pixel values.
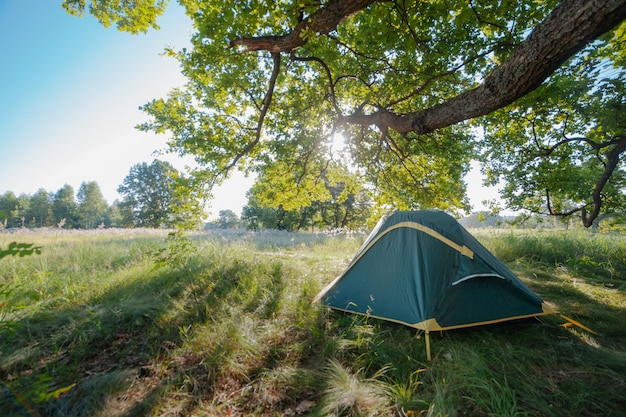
(424, 270)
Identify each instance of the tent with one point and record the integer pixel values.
(424, 270)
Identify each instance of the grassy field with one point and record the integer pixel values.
(118, 323)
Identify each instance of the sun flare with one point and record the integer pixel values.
(337, 143)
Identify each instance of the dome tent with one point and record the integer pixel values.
(424, 270)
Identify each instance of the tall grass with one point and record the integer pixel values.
(94, 326)
(599, 256)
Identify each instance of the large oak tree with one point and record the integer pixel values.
(270, 84)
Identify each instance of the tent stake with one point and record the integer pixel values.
(427, 333)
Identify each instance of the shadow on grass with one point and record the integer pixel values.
(73, 361)
(583, 299)
(226, 362)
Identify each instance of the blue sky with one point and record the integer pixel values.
(69, 96)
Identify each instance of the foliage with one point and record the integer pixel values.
(91, 205)
(254, 217)
(8, 204)
(333, 198)
(177, 252)
(14, 210)
(20, 249)
(271, 85)
(60, 209)
(148, 193)
(227, 219)
(41, 208)
(219, 129)
(559, 150)
(134, 17)
(89, 209)
(64, 207)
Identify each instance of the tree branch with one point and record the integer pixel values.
(569, 27)
(323, 21)
(613, 157)
(265, 105)
(545, 152)
(331, 84)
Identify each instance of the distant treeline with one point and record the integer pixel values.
(148, 200)
(484, 219)
(64, 209)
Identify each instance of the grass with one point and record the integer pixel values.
(92, 326)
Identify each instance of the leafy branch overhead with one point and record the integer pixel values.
(565, 141)
(566, 30)
(272, 85)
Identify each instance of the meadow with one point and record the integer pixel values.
(221, 323)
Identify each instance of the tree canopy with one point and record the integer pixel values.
(272, 84)
(559, 149)
(335, 199)
(147, 193)
(151, 197)
(92, 207)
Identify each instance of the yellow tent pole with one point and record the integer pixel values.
(427, 345)
(575, 323)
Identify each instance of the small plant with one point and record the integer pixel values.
(350, 393)
(178, 251)
(6, 323)
(20, 249)
(14, 249)
(405, 393)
